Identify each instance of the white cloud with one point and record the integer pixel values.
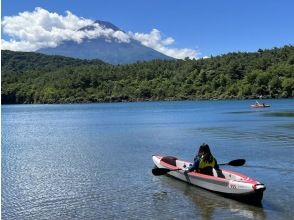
(168, 41)
(30, 31)
(155, 41)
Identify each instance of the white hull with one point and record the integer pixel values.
(225, 182)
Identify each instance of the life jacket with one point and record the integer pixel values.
(205, 167)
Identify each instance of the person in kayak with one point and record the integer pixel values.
(204, 161)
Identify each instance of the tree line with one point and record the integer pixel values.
(36, 78)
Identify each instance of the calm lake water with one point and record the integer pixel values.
(93, 161)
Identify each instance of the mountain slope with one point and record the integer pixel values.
(108, 51)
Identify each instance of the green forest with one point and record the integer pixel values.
(36, 78)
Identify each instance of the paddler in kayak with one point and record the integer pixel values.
(204, 161)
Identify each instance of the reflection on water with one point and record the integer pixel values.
(279, 114)
(157, 196)
(286, 126)
(240, 112)
(234, 132)
(211, 205)
(280, 169)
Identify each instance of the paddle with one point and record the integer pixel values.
(235, 163)
(161, 171)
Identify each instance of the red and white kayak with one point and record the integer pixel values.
(227, 183)
(260, 106)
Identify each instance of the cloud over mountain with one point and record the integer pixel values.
(154, 41)
(30, 31)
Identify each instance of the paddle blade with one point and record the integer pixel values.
(160, 171)
(238, 162)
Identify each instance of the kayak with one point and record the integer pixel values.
(260, 106)
(227, 183)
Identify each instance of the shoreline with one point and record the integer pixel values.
(146, 100)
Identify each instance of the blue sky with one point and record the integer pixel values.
(209, 27)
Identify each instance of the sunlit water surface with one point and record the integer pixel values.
(93, 161)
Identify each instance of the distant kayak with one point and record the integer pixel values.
(260, 106)
(227, 183)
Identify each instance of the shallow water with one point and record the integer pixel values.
(93, 161)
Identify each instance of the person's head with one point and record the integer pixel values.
(204, 149)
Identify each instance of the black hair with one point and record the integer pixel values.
(206, 150)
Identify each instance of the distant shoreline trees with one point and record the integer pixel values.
(37, 78)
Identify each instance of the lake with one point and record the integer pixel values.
(94, 161)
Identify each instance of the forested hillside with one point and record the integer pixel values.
(36, 78)
(19, 62)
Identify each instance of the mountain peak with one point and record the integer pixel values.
(103, 24)
(108, 25)
(110, 51)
